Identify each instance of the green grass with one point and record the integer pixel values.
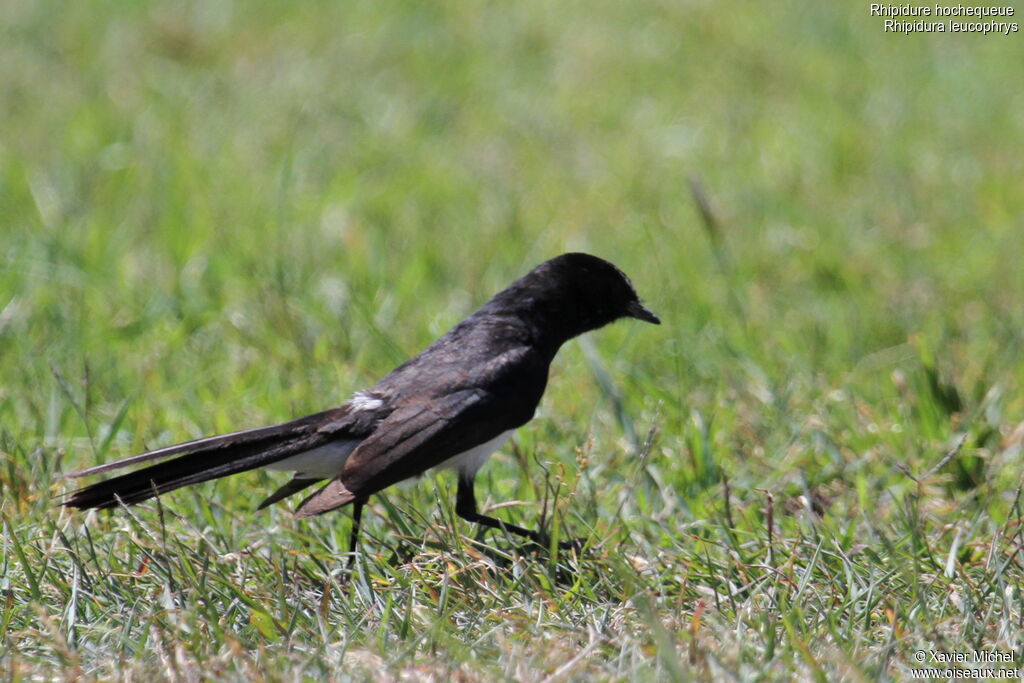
(218, 215)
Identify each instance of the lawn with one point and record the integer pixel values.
(220, 215)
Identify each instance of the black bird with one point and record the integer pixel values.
(453, 405)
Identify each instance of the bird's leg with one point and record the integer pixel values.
(465, 507)
(353, 537)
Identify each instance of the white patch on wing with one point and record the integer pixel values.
(468, 462)
(322, 462)
(365, 401)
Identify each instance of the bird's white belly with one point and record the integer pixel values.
(468, 462)
(323, 462)
(327, 461)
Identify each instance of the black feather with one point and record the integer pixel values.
(274, 433)
(192, 468)
(293, 486)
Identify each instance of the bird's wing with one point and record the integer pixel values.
(423, 434)
(410, 441)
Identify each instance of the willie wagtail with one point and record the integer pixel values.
(452, 405)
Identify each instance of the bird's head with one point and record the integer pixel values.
(579, 292)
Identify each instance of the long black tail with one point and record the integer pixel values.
(200, 461)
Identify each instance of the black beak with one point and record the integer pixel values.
(640, 312)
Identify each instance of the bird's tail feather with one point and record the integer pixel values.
(253, 437)
(192, 468)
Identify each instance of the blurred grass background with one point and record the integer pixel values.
(217, 215)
